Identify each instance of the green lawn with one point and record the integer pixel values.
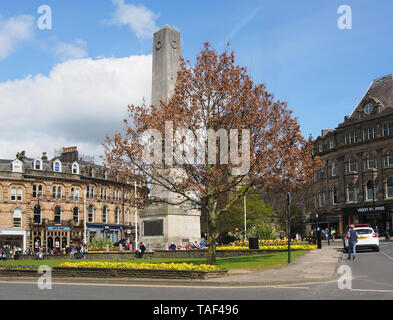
(254, 262)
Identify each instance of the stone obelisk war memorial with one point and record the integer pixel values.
(162, 223)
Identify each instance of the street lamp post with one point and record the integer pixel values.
(245, 218)
(84, 218)
(289, 226)
(136, 218)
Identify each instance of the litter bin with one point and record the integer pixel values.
(253, 243)
(319, 238)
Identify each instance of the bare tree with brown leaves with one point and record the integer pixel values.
(214, 98)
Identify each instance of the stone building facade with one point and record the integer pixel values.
(356, 184)
(43, 202)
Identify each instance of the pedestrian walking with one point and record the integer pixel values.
(352, 241)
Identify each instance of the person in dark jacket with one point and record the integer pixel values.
(353, 239)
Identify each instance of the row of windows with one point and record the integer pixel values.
(352, 165)
(90, 218)
(352, 193)
(57, 193)
(352, 137)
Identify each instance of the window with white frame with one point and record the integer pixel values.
(37, 165)
(17, 218)
(13, 194)
(19, 194)
(75, 168)
(17, 166)
(388, 161)
(57, 166)
(91, 214)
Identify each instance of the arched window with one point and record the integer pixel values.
(91, 214)
(72, 193)
(389, 188)
(57, 215)
(37, 165)
(57, 166)
(75, 215)
(37, 214)
(75, 168)
(13, 194)
(104, 214)
(17, 218)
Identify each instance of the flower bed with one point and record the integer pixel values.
(270, 247)
(139, 266)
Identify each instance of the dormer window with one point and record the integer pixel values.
(17, 166)
(75, 168)
(57, 166)
(37, 164)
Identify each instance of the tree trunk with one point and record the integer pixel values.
(212, 235)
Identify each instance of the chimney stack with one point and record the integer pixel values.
(69, 154)
(44, 157)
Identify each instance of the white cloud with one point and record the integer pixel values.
(78, 103)
(140, 19)
(67, 51)
(13, 31)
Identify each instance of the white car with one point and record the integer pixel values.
(367, 238)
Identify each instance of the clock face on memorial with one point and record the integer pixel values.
(368, 108)
(158, 45)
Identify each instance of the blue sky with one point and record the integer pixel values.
(295, 47)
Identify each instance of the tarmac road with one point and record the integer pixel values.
(372, 279)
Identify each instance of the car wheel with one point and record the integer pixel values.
(376, 249)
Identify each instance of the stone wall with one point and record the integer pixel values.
(111, 273)
(179, 254)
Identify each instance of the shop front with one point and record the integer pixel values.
(112, 233)
(379, 216)
(12, 237)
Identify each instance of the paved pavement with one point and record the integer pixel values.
(316, 266)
